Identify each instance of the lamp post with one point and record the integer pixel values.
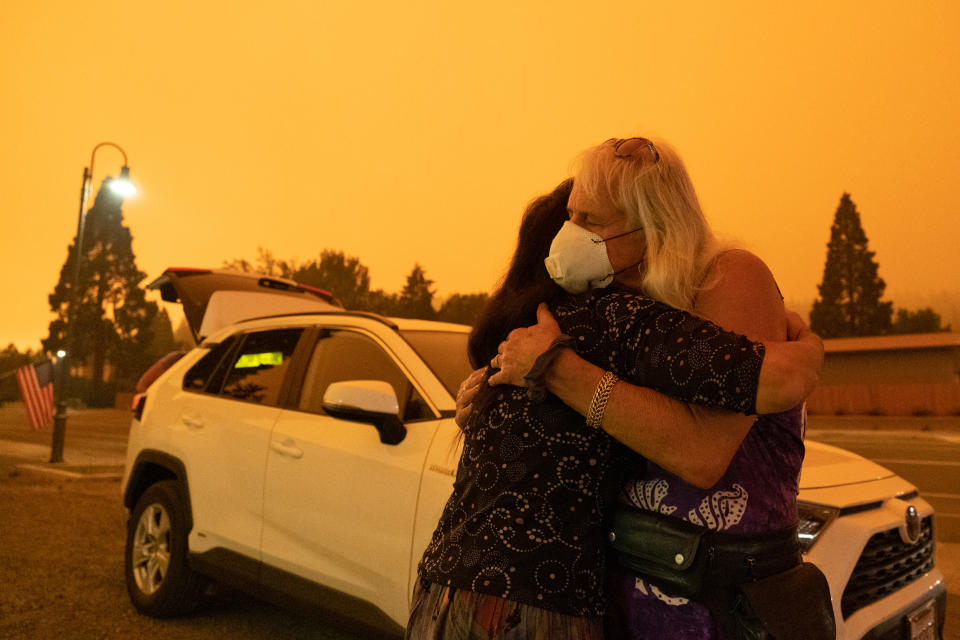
(121, 187)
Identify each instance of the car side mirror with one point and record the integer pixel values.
(371, 401)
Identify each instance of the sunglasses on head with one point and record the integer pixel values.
(633, 147)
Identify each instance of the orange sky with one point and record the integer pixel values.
(405, 132)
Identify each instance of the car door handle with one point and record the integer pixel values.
(191, 422)
(287, 448)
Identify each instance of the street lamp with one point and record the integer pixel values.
(123, 188)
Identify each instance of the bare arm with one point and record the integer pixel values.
(694, 442)
(679, 437)
(790, 369)
(744, 298)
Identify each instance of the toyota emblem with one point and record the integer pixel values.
(910, 531)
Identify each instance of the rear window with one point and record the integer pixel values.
(199, 375)
(257, 369)
(445, 352)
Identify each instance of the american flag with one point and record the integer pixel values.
(36, 388)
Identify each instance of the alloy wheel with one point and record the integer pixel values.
(151, 549)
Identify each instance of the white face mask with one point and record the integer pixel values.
(578, 260)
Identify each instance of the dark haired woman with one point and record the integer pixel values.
(519, 549)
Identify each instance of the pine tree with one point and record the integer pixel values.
(416, 298)
(342, 275)
(161, 343)
(109, 318)
(849, 302)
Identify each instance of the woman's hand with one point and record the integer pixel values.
(791, 369)
(799, 331)
(516, 355)
(466, 394)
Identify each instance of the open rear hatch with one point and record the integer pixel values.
(215, 298)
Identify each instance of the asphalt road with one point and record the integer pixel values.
(54, 589)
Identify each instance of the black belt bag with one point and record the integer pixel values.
(756, 586)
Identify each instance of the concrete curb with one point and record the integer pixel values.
(76, 472)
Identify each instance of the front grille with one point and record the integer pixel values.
(886, 565)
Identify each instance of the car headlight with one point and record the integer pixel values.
(814, 518)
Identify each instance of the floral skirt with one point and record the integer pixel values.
(446, 613)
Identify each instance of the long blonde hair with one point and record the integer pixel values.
(658, 196)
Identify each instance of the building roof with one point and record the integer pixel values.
(884, 343)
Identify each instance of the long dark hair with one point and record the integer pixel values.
(527, 283)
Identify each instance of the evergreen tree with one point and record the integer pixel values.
(161, 343)
(920, 321)
(849, 302)
(109, 318)
(416, 298)
(462, 308)
(343, 276)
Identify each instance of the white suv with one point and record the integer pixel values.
(306, 458)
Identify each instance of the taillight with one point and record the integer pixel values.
(139, 402)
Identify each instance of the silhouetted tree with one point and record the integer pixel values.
(379, 301)
(266, 263)
(462, 308)
(920, 321)
(348, 279)
(343, 276)
(183, 337)
(416, 298)
(850, 293)
(12, 359)
(109, 317)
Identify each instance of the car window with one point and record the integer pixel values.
(445, 352)
(200, 374)
(346, 355)
(257, 368)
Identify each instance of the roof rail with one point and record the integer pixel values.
(356, 314)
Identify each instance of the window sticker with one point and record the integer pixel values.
(253, 360)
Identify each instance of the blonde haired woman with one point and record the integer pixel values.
(736, 479)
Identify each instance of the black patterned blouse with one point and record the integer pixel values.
(534, 482)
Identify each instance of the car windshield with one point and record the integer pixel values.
(445, 352)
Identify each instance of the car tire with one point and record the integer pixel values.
(159, 581)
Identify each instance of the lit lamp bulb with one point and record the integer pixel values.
(122, 185)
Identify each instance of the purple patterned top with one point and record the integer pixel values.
(758, 493)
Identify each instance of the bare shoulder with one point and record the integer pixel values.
(735, 264)
(741, 295)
